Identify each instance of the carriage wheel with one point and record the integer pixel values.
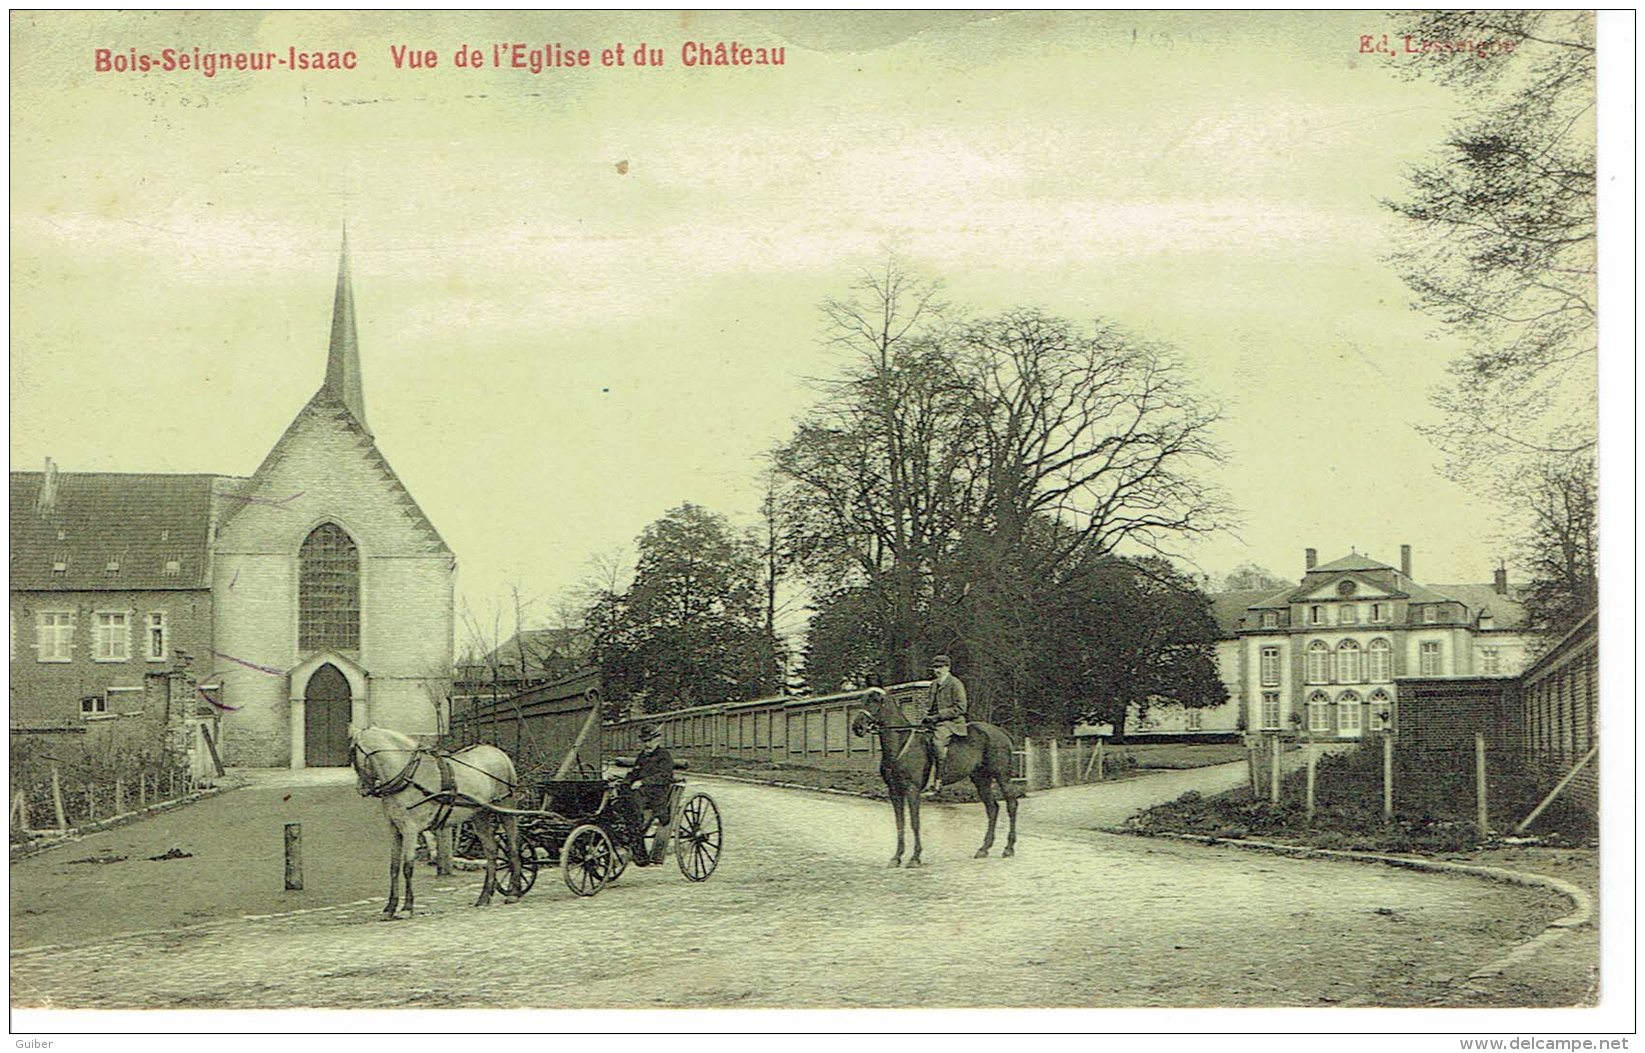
(699, 837)
(588, 860)
(467, 843)
(528, 867)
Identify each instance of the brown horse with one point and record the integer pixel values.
(983, 756)
(424, 790)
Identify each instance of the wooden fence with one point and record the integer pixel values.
(55, 804)
(1557, 715)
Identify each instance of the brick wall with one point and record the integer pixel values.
(45, 694)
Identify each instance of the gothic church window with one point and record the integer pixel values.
(328, 591)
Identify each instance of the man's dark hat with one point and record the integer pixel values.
(941, 659)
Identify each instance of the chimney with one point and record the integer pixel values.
(1501, 582)
(1405, 560)
(1309, 558)
(46, 503)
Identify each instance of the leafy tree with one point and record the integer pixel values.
(1124, 633)
(1561, 545)
(691, 628)
(1248, 577)
(1500, 245)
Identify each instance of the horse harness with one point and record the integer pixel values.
(446, 797)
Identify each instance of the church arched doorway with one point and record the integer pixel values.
(328, 706)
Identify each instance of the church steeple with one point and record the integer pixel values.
(343, 360)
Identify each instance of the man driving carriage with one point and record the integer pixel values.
(650, 782)
(947, 714)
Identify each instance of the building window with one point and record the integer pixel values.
(1381, 661)
(111, 637)
(1429, 660)
(1194, 720)
(1319, 712)
(1348, 614)
(54, 636)
(1270, 710)
(154, 636)
(94, 706)
(1348, 662)
(328, 591)
(1270, 666)
(1316, 615)
(174, 567)
(1348, 714)
(1270, 619)
(1382, 711)
(1490, 661)
(1430, 613)
(1319, 662)
(1379, 612)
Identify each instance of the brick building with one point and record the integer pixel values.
(311, 595)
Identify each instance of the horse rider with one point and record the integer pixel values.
(652, 780)
(947, 714)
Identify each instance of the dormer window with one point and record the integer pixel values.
(60, 565)
(173, 566)
(1430, 613)
(62, 535)
(113, 566)
(1270, 619)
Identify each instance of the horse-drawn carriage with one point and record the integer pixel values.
(588, 828)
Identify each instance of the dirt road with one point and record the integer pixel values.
(803, 912)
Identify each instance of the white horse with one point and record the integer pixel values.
(422, 789)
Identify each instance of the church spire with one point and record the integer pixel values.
(343, 360)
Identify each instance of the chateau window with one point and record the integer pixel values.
(1319, 662)
(1348, 713)
(1270, 619)
(1347, 614)
(1348, 662)
(111, 637)
(1319, 712)
(54, 636)
(328, 591)
(1429, 660)
(1195, 720)
(1379, 612)
(155, 637)
(1270, 666)
(1430, 613)
(1490, 661)
(1270, 710)
(1381, 661)
(1382, 710)
(1316, 615)
(94, 706)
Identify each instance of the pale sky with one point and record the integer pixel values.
(556, 352)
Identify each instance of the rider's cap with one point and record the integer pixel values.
(941, 659)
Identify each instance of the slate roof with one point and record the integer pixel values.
(1228, 608)
(1506, 611)
(139, 521)
(1354, 561)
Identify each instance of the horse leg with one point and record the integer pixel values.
(487, 833)
(1009, 792)
(511, 838)
(896, 806)
(991, 806)
(408, 865)
(394, 852)
(914, 825)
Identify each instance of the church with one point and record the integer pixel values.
(309, 596)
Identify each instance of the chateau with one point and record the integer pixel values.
(310, 595)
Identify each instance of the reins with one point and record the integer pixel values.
(446, 797)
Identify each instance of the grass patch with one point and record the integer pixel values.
(1433, 807)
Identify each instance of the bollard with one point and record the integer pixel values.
(1028, 772)
(294, 857)
(119, 796)
(1056, 765)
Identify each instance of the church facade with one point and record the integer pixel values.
(316, 594)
